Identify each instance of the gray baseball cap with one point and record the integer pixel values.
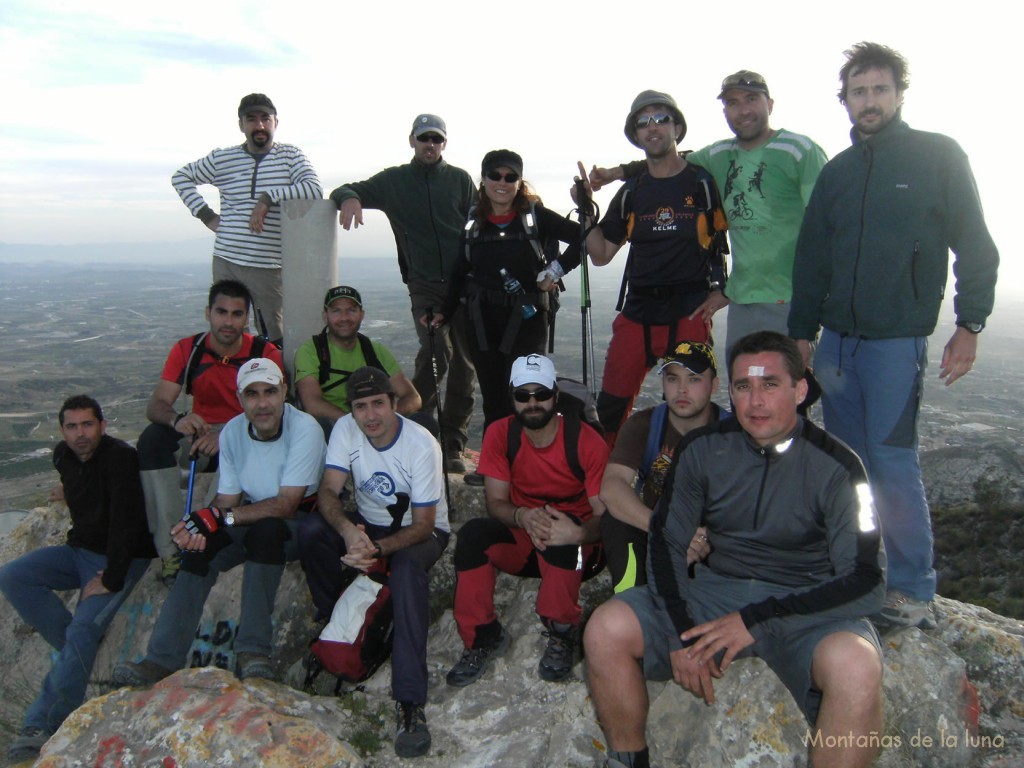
(429, 124)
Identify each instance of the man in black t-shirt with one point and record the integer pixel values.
(675, 272)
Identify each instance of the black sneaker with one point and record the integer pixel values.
(413, 736)
(27, 743)
(475, 661)
(560, 656)
(139, 674)
(474, 479)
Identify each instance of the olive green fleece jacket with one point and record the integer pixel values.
(427, 206)
(873, 252)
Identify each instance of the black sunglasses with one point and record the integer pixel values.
(431, 138)
(508, 178)
(658, 118)
(541, 395)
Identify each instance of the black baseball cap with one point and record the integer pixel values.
(342, 292)
(367, 381)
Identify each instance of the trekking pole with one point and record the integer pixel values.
(437, 405)
(584, 206)
(191, 486)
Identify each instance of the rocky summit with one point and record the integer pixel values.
(954, 696)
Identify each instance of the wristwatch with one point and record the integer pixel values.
(970, 327)
(229, 516)
(377, 551)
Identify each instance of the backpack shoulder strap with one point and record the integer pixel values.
(515, 439)
(655, 438)
(629, 216)
(194, 358)
(369, 353)
(529, 221)
(472, 230)
(572, 445)
(259, 344)
(323, 355)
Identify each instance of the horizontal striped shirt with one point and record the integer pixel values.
(283, 173)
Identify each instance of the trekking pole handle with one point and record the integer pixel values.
(583, 202)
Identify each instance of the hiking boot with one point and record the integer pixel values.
(170, 566)
(413, 737)
(139, 674)
(560, 656)
(899, 610)
(253, 666)
(474, 478)
(475, 661)
(456, 464)
(27, 743)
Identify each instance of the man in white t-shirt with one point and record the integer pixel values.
(401, 514)
(271, 461)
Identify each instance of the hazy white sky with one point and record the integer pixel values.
(103, 101)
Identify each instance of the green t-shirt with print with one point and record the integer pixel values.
(307, 364)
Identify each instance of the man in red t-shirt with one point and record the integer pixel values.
(205, 366)
(543, 512)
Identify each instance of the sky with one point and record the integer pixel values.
(104, 101)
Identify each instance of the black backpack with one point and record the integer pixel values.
(323, 355)
(259, 344)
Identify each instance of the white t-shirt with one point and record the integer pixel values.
(259, 469)
(410, 465)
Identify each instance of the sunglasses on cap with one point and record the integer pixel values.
(541, 395)
(430, 138)
(743, 78)
(508, 178)
(658, 118)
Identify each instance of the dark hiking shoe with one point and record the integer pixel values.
(413, 737)
(474, 479)
(476, 661)
(456, 464)
(27, 743)
(559, 657)
(139, 674)
(253, 666)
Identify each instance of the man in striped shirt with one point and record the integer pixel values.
(253, 179)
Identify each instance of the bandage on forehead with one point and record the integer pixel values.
(755, 370)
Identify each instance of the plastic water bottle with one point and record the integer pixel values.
(514, 288)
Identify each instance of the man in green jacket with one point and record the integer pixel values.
(870, 268)
(427, 202)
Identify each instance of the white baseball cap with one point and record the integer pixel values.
(259, 370)
(533, 369)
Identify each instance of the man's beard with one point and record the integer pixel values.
(535, 418)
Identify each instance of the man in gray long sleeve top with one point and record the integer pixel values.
(796, 565)
(426, 202)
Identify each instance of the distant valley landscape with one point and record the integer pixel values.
(106, 328)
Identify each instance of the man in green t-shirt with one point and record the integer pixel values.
(765, 177)
(321, 384)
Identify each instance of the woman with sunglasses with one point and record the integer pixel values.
(510, 239)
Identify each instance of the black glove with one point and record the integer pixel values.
(203, 521)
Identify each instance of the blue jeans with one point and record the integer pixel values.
(29, 584)
(264, 547)
(871, 398)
